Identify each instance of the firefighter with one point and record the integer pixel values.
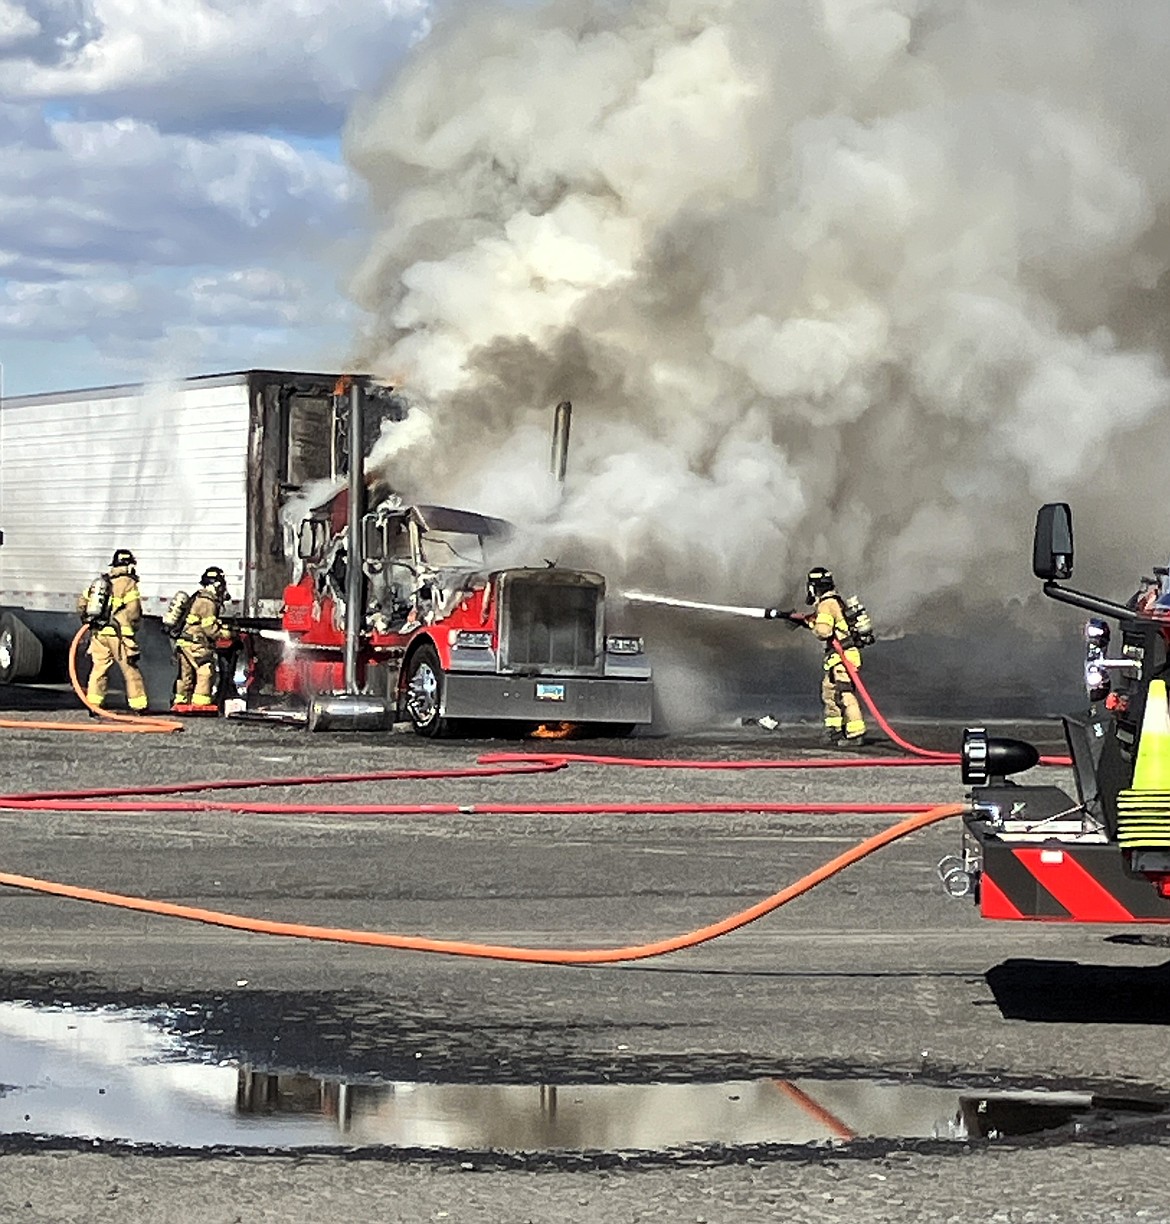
(844, 723)
(195, 646)
(112, 608)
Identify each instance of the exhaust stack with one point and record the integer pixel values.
(352, 710)
(560, 440)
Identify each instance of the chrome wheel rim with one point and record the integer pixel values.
(422, 695)
(7, 649)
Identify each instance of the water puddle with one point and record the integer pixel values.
(118, 1075)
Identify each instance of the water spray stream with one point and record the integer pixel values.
(694, 604)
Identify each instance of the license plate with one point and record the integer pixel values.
(549, 692)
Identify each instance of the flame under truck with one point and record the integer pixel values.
(1103, 855)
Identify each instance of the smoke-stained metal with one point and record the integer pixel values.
(354, 577)
(352, 710)
(560, 440)
(347, 712)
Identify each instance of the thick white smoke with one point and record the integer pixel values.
(844, 282)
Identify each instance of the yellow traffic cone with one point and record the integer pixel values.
(1143, 810)
(1151, 770)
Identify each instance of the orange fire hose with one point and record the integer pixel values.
(143, 724)
(539, 956)
(815, 1110)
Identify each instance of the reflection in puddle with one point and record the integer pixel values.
(120, 1075)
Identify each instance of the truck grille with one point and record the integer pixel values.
(551, 621)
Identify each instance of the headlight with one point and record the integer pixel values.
(1097, 680)
(470, 639)
(1096, 635)
(623, 645)
(988, 760)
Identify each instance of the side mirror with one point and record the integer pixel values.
(311, 539)
(1052, 546)
(305, 540)
(373, 539)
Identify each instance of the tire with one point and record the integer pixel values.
(21, 653)
(423, 692)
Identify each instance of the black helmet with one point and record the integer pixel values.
(123, 556)
(213, 576)
(820, 582)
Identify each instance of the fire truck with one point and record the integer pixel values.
(1103, 854)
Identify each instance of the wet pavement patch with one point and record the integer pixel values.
(132, 1077)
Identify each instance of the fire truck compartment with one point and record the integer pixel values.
(1061, 881)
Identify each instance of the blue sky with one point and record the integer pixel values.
(174, 198)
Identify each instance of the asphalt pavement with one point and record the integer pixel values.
(874, 975)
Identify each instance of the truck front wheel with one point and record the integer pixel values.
(423, 693)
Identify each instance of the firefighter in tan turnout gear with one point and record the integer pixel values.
(196, 623)
(844, 723)
(112, 608)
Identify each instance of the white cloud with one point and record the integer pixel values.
(132, 314)
(113, 329)
(147, 211)
(256, 297)
(135, 243)
(16, 25)
(200, 64)
(121, 192)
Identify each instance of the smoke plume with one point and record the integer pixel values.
(843, 282)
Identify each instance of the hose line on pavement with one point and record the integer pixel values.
(505, 952)
(18, 803)
(511, 769)
(108, 720)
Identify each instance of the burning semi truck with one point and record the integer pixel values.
(1038, 853)
(421, 628)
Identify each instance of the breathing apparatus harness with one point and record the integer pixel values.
(98, 609)
(99, 599)
(176, 619)
(858, 625)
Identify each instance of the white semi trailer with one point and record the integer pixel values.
(186, 475)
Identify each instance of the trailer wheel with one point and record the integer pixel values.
(21, 654)
(423, 693)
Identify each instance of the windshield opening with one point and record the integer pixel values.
(452, 549)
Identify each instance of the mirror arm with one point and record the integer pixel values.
(1091, 603)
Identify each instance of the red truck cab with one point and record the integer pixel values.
(447, 638)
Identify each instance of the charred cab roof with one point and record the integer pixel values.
(463, 522)
(428, 517)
